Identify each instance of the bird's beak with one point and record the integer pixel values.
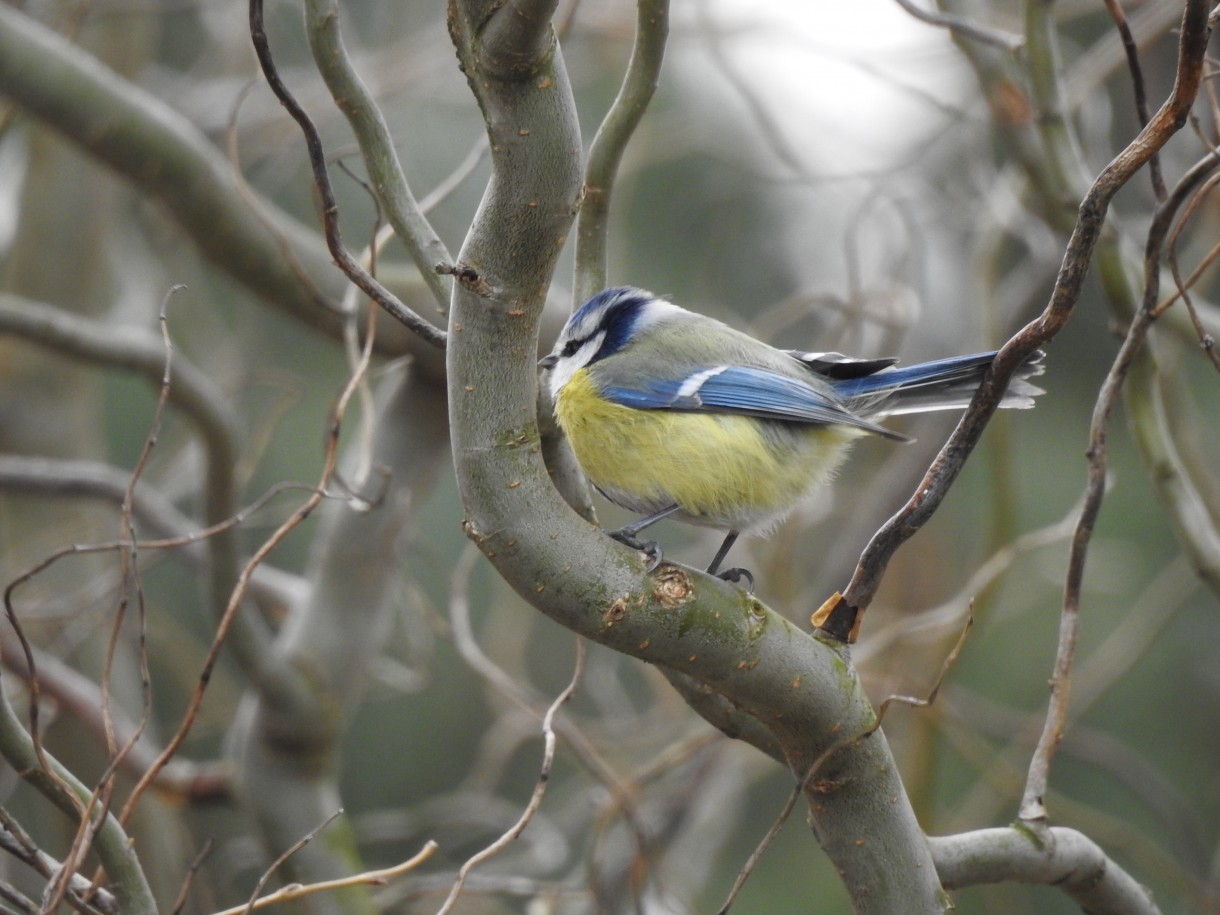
(548, 361)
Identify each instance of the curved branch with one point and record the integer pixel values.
(376, 145)
(606, 151)
(1060, 857)
(143, 353)
(802, 690)
(62, 788)
(164, 154)
(351, 267)
(1068, 286)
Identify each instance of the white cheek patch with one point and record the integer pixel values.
(565, 368)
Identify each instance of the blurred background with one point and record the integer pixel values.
(827, 176)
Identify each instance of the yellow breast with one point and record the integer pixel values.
(722, 470)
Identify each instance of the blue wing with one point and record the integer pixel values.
(741, 390)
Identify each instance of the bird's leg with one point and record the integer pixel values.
(627, 536)
(733, 575)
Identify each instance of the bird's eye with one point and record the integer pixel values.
(571, 347)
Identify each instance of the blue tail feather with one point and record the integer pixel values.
(939, 371)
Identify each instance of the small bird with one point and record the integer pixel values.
(673, 414)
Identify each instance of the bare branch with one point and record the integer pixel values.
(269, 677)
(353, 98)
(1068, 285)
(65, 791)
(1033, 799)
(1061, 858)
(966, 28)
(548, 756)
(80, 893)
(425, 330)
(606, 152)
(1131, 50)
(163, 153)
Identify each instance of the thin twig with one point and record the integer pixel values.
(842, 619)
(1137, 85)
(258, 207)
(84, 549)
(1198, 174)
(1206, 341)
(755, 856)
(1033, 801)
(1005, 41)
(285, 855)
(528, 699)
(366, 878)
(548, 754)
(128, 572)
(427, 331)
(238, 594)
(196, 863)
(81, 895)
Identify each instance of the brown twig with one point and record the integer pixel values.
(237, 596)
(427, 331)
(621, 792)
(287, 853)
(841, 618)
(196, 863)
(548, 755)
(1033, 801)
(85, 549)
(1198, 174)
(1206, 341)
(103, 791)
(367, 878)
(80, 894)
(258, 207)
(1137, 86)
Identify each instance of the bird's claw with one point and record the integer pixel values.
(736, 575)
(649, 548)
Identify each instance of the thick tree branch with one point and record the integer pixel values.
(159, 150)
(800, 689)
(65, 791)
(1061, 858)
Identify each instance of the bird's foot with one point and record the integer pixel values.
(649, 548)
(736, 575)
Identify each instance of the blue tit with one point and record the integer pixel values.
(673, 414)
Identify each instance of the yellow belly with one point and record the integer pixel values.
(722, 470)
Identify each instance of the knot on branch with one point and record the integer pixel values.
(469, 278)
